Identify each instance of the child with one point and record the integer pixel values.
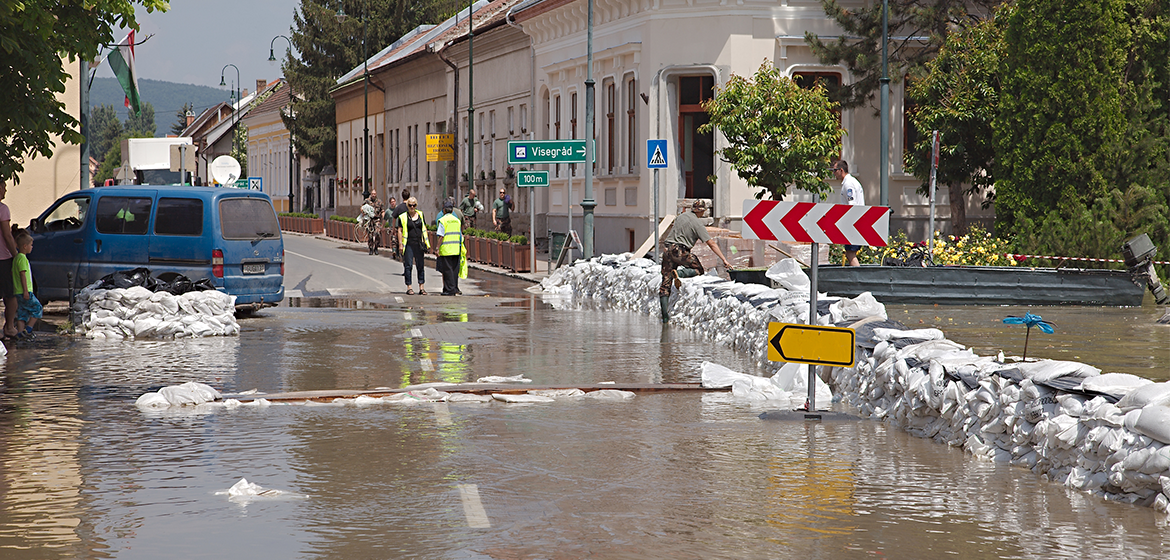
(29, 308)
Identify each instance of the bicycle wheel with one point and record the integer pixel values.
(360, 234)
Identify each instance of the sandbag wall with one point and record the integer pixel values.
(137, 312)
(1104, 434)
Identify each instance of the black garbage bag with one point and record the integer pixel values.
(181, 285)
(129, 279)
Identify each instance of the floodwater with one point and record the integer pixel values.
(664, 475)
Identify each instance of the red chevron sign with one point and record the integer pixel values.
(812, 222)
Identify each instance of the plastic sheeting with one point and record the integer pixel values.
(137, 312)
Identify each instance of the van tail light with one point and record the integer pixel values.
(217, 263)
(282, 262)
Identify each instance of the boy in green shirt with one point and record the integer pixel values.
(28, 309)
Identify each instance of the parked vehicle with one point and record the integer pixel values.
(229, 236)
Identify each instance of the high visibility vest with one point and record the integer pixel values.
(402, 218)
(452, 238)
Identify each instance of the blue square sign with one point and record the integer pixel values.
(656, 154)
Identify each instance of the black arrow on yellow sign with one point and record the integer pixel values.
(811, 344)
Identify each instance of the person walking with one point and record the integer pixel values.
(8, 250)
(469, 208)
(450, 250)
(852, 193)
(677, 259)
(502, 213)
(412, 237)
(29, 309)
(396, 211)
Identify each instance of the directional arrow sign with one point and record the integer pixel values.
(547, 151)
(811, 222)
(809, 344)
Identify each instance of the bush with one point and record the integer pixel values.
(298, 215)
(519, 239)
(977, 248)
(343, 219)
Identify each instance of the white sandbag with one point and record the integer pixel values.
(152, 401)
(469, 397)
(499, 379)
(1047, 370)
(788, 274)
(190, 393)
(715, 376)
(557, 393)
(522, 398)
(1147, 394)
(1152, 421)
(921, 334)
(793, 378)
(860, 307)
(610, 395)
(1116, 384)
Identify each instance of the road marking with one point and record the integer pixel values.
(398, 299)
(472, 507)
(427, 365)
(406, 315)
(293, 294)
(442, 414)
(416, 333)
(370, 278)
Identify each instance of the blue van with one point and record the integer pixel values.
(229, 236)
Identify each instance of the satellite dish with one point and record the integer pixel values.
(225, 170)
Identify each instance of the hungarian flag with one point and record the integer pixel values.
(122, 62)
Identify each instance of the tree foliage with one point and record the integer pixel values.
(180, 123)
(779, 134)
(959, 97)
(108, 133)
(329, 48)
(35, 37)
(917, 30)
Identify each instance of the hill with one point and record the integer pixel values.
(167, 98)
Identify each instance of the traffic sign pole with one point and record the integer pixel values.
(812, 320)
(656, 159)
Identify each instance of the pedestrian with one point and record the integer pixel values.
(7, 251)
(502, 213)
(395, 212)
(450, 250)
(677, 259)
(852, 193)
(412, 237)
(469, 208)
(29, 309)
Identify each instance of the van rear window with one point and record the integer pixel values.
(179, 216)
(123, 214)
(247, 218)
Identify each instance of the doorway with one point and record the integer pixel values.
(697, 149)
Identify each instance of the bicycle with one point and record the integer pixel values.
(369, 231)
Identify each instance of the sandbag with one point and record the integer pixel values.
(1144, 395)
(788, 274)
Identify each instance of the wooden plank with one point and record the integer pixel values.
(667, 220)
(477, 388)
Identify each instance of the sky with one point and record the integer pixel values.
(195, 39)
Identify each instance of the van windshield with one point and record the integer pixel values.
(247, 218)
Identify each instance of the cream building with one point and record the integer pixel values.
(269, 145)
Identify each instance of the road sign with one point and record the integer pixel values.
(547, 151)
(240, 184)
(810, 344)
(532, 179)
(256, 183)
(814, 222)
(656, 154)
(440, 147)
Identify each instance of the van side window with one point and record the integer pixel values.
(67, 216)
(247, 218)
(123, 214)
(179, 216)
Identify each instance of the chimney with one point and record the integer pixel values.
(190, 118)
(260, 84)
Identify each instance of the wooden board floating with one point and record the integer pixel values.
(477, 388)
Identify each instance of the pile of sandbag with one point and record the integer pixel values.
(137, 312)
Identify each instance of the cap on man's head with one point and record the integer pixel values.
(448, 205)
(699, 204)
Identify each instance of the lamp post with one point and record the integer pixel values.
(470, 96)
(291, 157)
(587, 204)
(235, 106)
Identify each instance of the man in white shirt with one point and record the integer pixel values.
(851, 192)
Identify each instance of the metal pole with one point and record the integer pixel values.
(812, 320)
(235, 106)
(588, 203)
(366, 113)
(933, 176)
(291, 97)
(81, 77)
(884, 172)
(470, 97)
(654, 226)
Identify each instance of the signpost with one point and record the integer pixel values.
(814, 223)
(256, 183)
(532, 179)
(440, 147)
(531, 152)
(656, 159)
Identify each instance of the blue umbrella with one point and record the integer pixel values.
(1030, 321)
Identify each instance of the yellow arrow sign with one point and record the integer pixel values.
(809, 344)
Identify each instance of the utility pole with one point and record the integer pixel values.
(587, 203)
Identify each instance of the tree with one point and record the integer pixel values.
(1060, 119)
(104, 130)
(180, 123)
(921, 25)
(35, 35)
(779, 134)
(329, 48)
(959, 97)
(141, 125)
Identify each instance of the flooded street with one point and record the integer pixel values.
(664, 475)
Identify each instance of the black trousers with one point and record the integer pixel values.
(449, 267)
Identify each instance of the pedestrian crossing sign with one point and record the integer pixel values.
(656, 154)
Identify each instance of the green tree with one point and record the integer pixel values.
(1060, 107)
(180, 123)
(142, 124)
(917, 30)
(959, 97)
(779, 134)
(104, 130)
(330, 46)
(35, 37)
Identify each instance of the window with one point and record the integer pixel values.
(573, 127)
(557, 130)
(910, 133)
(179, 216)
(523, 119)
(511, 125)
(68, 216)
(247, 218)
(123, 215)
(831, 81)
(610, 133)
(631, 126)
(427, 164)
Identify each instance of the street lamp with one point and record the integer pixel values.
(291, 157)
(235, 105)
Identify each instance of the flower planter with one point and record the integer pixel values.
(521, 257)
(472, 248)
(507, 251)
(312, 226)
(485, 249)
(433, 237)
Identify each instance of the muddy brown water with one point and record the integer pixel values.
(681, 475)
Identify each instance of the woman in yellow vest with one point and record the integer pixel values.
(412, 237)
(450, 249)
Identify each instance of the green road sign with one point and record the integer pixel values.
(547, 151)
(241, 183)
(532, 179)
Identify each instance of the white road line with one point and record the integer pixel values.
(398, 299)
(427, 365)
(472, 507)
(442, 414)
(416, 333)
(372, 279)
(293, 293)
(406, 315)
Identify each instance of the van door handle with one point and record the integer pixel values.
(98, 246)
(77, 240)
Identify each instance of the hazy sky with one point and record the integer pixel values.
(195, 39)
